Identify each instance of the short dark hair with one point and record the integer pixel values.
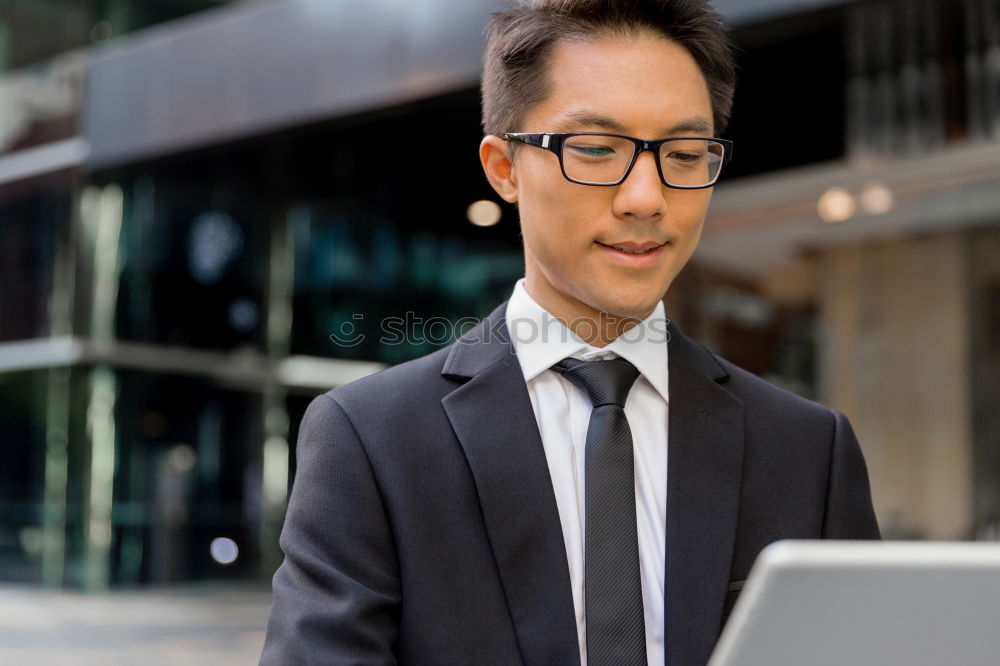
(519, 42)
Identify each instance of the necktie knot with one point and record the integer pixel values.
(605, 382)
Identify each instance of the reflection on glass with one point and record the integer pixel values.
(40, 104)
(381, 291)
(28, 227)
(157, 467)
(186, 477)
(194, 263)
(216, 241)
(22, 475)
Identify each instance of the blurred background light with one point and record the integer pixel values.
(182, 458)
(876, 199)
(836, 205)
(216, 240)
(224, 550)
(484, 213)
(243, 315)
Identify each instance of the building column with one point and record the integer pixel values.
(58, 397)
(101, 217)
(275, 455)
(895, 318)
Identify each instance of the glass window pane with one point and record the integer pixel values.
(194, 260)
(29, 220)
(387, 293)
(188, 473)
(22, 475)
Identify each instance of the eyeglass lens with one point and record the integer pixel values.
(601, 160)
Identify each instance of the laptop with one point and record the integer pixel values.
(861, 603)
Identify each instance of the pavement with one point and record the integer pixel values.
(219, 626)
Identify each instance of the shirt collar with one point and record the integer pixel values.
(541, 341)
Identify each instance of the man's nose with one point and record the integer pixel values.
(641, 197)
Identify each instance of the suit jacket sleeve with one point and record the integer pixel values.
(336, 595)
(849, 512)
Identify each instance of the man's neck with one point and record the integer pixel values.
(594, 327)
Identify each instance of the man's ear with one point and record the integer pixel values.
(494, 153)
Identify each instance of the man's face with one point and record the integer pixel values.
(646, 87)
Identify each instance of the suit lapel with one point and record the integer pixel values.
(492, 417)
(493, 420)
(704, 470)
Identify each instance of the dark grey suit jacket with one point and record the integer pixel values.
(422, 525)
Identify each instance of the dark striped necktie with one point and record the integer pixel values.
(616, 630)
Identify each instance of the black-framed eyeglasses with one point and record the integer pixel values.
(593, 158)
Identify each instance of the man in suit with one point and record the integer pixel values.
(572, 481)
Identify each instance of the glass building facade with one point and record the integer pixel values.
(169, 321)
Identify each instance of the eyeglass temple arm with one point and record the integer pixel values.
(538, 140)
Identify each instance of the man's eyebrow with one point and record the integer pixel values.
(588, 119)
(578, 119)
(696, 125)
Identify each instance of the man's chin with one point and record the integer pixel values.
(628, 310)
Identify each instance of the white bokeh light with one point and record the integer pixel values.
(224, 550)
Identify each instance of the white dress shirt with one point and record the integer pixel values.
(563, 414)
